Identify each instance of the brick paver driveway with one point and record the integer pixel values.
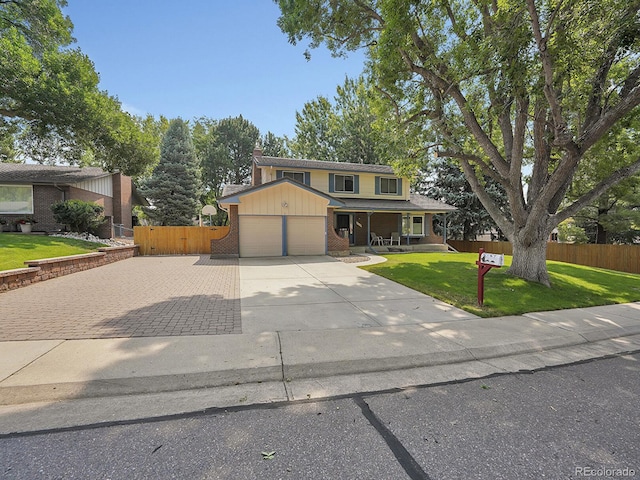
(138, 297)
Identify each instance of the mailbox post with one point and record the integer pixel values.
(486, 261)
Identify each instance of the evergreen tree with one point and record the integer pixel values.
(447, 183)
(175, 184)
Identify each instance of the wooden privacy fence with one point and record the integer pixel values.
(176, 240)
(623, 258)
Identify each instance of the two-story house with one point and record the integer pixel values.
(310, 207)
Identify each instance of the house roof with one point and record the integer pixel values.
(263, 161)
(229, 190)
(232, 193)
(47, 174)
(416, 202)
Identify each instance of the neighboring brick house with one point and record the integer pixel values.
(30, 190)
(309, 207)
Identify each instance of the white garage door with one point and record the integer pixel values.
(306, 235)
(260, 236)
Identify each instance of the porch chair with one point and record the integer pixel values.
(395, 237)
(376, 239)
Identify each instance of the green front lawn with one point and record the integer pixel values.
(15, 249)
(452, 278)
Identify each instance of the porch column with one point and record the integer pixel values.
(444, 230)
(369, 229)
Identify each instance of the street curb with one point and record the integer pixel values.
(16, 395)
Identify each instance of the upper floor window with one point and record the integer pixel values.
(389, 185)
(16, 199)
(344, 183)
(297, 176)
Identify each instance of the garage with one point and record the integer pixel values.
(306, 235)
(282, 217)
(260, 236)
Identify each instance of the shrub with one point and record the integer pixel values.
(78, 215)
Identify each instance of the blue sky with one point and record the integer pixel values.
(213, 58)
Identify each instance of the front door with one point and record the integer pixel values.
(344, 226)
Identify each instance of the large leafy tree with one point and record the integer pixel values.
(173, 189)
(350, 128)
(502, 85)
(275, 146)
(49, 95)
(225, 148)
(615, 215)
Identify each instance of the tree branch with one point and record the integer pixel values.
(476, 161)
(592, 134)
(388, 96)
(542, 152)
(370, 12)
(494, 210)
(598, 190)
(563, 137)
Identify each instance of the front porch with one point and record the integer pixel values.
(415, 229)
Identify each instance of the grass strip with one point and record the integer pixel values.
(452, 278)
(15, 249)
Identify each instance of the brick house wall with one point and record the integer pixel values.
(384, 224)
(336, 245)
(43, 197)
(122, 200)
(87, 196)
(432, 237)
(256, 174)
(229, 245)
(106, 229)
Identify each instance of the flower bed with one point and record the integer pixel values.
(39, 270)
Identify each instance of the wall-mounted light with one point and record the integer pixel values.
(285, 204)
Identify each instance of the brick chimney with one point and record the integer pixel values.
(122, 199)
(256, 174)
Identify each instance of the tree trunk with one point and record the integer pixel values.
(601, 233)
(530, 258)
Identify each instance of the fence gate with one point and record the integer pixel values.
(176, 240)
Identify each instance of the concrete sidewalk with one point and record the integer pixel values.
(312, 327)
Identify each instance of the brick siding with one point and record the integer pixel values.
(43, 197)
(229, 245)
(336, 245)
(122, 200)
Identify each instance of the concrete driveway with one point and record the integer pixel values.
(320, 293)
(196, 295)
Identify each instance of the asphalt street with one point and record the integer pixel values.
(576, 421)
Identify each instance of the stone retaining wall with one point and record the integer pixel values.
(39, 270)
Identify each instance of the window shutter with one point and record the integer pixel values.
(307, 178)
(278, 174)
(331, 183)
(399, 187)
(356, 184)
(377, 185)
